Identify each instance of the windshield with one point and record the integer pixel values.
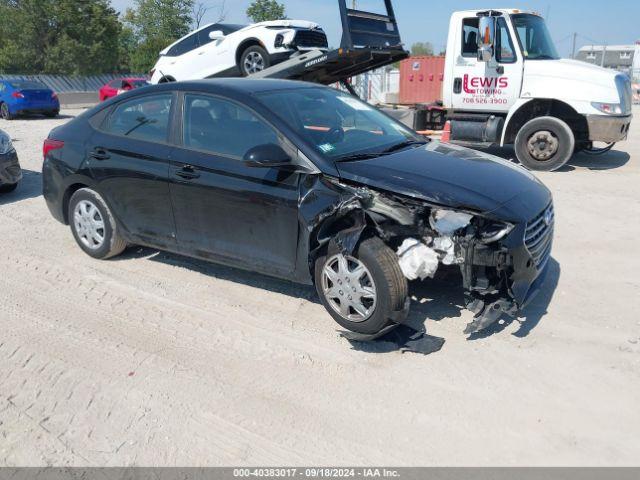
(338, 125)
(139, 83)
(27, 85)
(534, 37)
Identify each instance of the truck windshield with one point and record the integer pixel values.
(338, 125)
(533, 35)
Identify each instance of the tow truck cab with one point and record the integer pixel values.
(505, 83)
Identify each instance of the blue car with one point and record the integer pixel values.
(21, 97)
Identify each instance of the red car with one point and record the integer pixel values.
(119, 85)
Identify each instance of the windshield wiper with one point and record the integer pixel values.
(405, 144)
(360, 156)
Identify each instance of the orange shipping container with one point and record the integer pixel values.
(421, 80)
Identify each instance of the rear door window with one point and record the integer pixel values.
(145, 118)
(222, 127)
(186, 45)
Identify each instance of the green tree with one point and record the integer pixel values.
(59, 36)
(153, 25)
(265, 10)
(421, 49)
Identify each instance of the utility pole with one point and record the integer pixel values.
(573, 47)
(604, 52)
(354, 4)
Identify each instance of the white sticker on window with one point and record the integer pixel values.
(354, 103)
(326, 147)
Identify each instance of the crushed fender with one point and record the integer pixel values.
(338, 215)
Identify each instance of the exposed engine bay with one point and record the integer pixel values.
(427, 237)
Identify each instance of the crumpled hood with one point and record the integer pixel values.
(287, 24)
(454, 177)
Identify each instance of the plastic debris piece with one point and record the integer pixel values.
(446, 246)
(417, 260)
(446, 222)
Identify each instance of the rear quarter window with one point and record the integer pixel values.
(146, 118)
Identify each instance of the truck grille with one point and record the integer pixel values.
(311, 39)
(539, 237)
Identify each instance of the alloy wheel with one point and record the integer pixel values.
(348, 287)
(253, 63)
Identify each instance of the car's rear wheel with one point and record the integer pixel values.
(253, 60)
(362, 291)
(545, 144)
(9, 187)
(52, 114)
(5, 113)
(93, 225)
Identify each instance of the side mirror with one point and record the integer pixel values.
(216, 35)
(267, 156)
(486, 38)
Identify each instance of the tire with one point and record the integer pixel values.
(52, 114)
(383, 269)
(5, 113)
(256, 56)
(112, 243)
(8, 188)
(555, 146)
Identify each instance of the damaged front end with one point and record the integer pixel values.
(502, 263)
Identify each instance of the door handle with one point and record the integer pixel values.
(188, 173)
(100, 154)
(457, 85)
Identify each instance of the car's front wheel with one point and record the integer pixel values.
(544, 144)
(362, 291)
(253, 60)
(93, 225)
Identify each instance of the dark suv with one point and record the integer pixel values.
(305, 183)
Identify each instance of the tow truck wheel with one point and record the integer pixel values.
(544, 144)
(362, 291)
(253, 60)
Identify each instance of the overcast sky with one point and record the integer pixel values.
(611, 22)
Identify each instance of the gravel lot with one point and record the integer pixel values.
(156, 359)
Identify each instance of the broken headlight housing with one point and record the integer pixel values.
(493, 231)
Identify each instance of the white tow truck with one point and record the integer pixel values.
(504, 83)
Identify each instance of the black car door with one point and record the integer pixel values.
(129, 158)
(224, 209)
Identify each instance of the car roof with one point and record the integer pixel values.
(239, 85)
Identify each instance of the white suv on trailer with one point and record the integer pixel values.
(224, 50)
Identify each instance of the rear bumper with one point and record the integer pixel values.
(609, 129)
(10, 171)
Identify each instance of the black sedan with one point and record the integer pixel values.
(10, 172)
(305, 183)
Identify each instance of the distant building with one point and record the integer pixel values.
(625, 58)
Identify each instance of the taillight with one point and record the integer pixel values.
(54, 96)
(51, 145)
(17, 95)
(153, 70)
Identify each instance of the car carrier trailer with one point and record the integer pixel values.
(369, 41)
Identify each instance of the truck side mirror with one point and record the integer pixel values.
(486, 38)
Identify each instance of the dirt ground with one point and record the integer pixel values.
(156, 359)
